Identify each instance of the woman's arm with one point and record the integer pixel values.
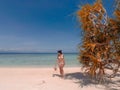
(63, 59)
(56, 64)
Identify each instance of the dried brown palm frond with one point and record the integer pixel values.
(117, 13)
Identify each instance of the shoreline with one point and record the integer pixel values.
(38, 66)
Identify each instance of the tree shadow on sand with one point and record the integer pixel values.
(83, 80)
(79, 78)
(114, 84)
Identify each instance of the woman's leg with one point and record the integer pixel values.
(61, 70)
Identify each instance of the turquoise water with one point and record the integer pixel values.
(36, 60)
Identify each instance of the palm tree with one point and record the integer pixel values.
(100, 49)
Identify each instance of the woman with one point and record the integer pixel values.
(60, 62)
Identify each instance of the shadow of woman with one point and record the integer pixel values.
(54, 75)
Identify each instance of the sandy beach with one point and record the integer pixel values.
(48, 79)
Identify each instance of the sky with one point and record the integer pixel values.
(41, 25)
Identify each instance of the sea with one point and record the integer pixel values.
(36, 59)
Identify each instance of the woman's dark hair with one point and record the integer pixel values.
(60, 51)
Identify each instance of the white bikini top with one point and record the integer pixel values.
(61, 57)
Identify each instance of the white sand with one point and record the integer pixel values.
(48, 79)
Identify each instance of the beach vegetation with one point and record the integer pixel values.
(100, 48)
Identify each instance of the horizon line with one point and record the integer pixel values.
(32, 52)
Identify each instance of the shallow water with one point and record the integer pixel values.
(36, 60)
